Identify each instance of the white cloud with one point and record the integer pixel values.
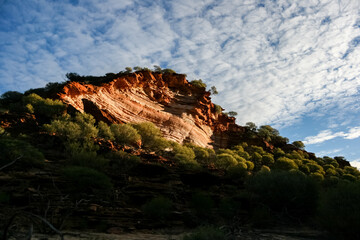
(355, 163)
(272, 64)
(326, 135)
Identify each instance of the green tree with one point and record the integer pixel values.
(299, 144)
(225, 160)
(125, 134)
(198, 83)
(251, 126)
(213, 90)
(151, 136)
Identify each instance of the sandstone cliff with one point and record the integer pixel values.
(183, 112)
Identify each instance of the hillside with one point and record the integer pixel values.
(149, 150)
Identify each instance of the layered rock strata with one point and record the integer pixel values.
(183, 112)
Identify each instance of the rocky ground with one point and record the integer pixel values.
(266, 234)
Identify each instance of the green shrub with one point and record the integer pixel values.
(250, 165)
(264, 169)
(105, 131)
(349, 177)
(151, 136)
(206, 233)
(125, 134)
(87, 181)
(284, 163)
(317, 176)
(268, 159)
(202, 204)
(218, 109)
(121, 161)
(158, 208)
(77, 133)
(238, 171)
(198, 83)
(225, 160)
(44, 107)
(26, 155)
(288, 192)
(339, 210)
(87, 159)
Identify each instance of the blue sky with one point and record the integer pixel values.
(291, 64)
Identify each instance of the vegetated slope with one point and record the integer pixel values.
(92, 160)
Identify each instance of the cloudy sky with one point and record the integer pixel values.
(291, 64)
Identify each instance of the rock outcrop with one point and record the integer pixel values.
(182, 111)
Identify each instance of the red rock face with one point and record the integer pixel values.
(183, 112)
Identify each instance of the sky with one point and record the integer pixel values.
(293, 65)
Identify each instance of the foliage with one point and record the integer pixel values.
(121, 161)
(267, 132)
(218, 109)
(77, 133)
(284, 163)
(213, 90)
(251, 126)
(128, 70)
(339, 210)
(44, 107)
(157, 69)
(202, 204)
(86, 180)
(198, 83)
(168, 71)
(10, 97)
(151, 136)
(125, 134)
(225, 160)
(158, 208)
(299, 144)
(24, 153)
(105, 131)
(184, 155)
(289, 192)
(206, 233)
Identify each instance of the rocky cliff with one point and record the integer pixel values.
(182, 111)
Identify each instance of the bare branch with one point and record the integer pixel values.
(11, 163)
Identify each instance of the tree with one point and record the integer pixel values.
(157, 68)
(299, 144)
(73, 76)
(251, 126)
(267, 132)
(198, 83)
(213, 90)
(232, 114)
(128, 70)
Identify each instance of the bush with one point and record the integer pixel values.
(268, 159)
(27, 155)
(202, 204)
(218, 109)
(158, 208)
(286, 164)
(184, 155)
(10, 97)
(198, 83)
(105, 131)
(125, 134)
(86, 180)
(151, 136)
(285, 192)
(206, 233)
(339, 210)
(44, 107)
(225, 160)
(121, 161)
(77, 133)
(87, 159)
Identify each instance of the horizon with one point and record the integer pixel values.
(289, 65)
